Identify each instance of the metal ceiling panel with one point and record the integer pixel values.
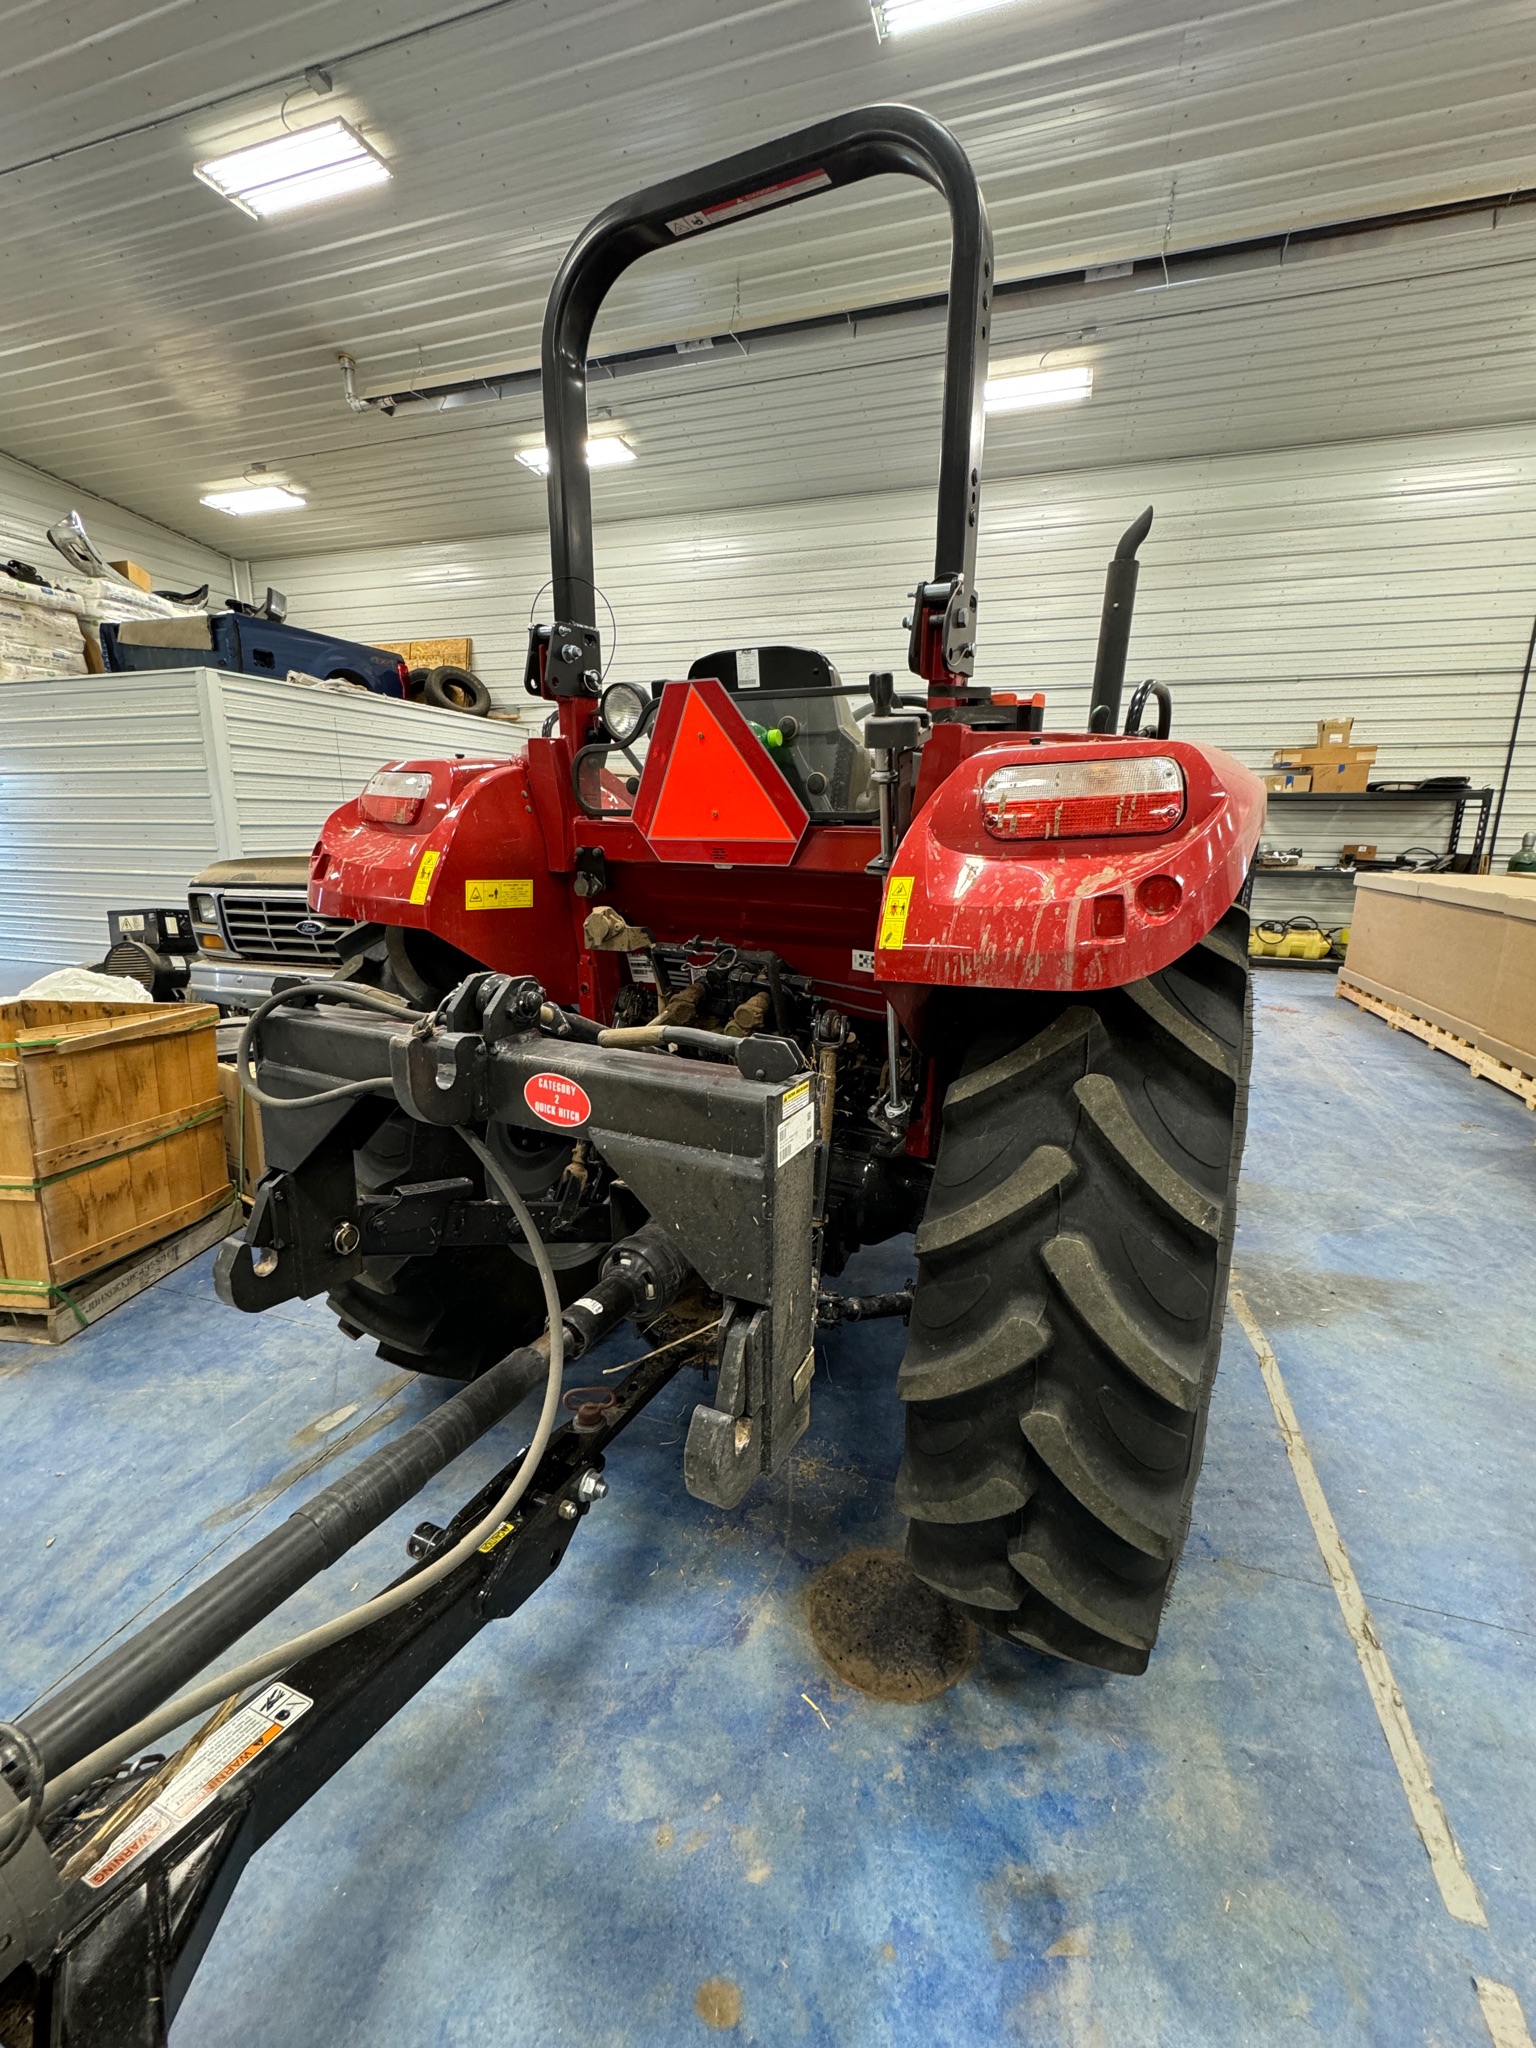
(158, 342)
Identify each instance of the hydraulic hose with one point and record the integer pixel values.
(345, 992)
(255, 1670)
(202, 1625)
(185, 1639)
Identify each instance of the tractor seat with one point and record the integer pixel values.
(825, 762)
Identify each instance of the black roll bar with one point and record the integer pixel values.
(870, 142)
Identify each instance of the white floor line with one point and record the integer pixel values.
(1445, 1857)
(1501, 2009)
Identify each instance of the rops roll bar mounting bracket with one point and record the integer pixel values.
(870, 142)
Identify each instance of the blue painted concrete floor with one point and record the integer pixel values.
(647, 1781)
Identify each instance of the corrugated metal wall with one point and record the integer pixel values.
(1390, 580)
(31, 501)
(114, 790)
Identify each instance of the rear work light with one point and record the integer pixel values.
(393, 798)
(1083, 799)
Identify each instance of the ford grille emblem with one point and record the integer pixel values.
(310, 928)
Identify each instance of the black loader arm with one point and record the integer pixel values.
(870, 142)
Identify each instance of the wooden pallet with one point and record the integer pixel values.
(1483, 1065)
(92, 1298)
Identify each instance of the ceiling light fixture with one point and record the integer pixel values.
(255, 498)
(1039, 387)
(604, 451)
(905, 17)
(297, 169)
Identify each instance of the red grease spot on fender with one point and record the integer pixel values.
(554, 1100)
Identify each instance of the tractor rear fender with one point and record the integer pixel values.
(965, 909)
(472, 866)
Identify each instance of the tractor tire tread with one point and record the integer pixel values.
(1072, 1273)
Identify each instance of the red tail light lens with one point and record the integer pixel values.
(395, 798)
(1083, 799)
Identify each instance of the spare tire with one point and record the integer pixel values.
(456, 689)
(416, 682)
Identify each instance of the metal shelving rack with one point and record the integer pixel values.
(1460, 801)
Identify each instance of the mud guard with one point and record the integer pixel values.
(963, 909)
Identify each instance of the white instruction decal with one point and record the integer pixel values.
(593, 1308)
(228, 1750)
(749, 675)
(750, 202)
(863, 963)
(795, 1133)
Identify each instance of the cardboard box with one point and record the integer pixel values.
(1337, 768)
(431, 653)
(1459, 950)
(111, 1137)
(1353, 850)
(138, 577)
(1334, 776)
(1298, 779)
(245, 1151)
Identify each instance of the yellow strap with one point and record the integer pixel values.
(31, 1187)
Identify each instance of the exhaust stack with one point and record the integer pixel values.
(1115, 626)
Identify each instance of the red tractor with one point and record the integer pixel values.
(779, 965)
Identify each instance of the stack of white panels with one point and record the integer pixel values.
(115, 790)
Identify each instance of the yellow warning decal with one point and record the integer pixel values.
(498, 1535)
(893, 920)
(498, 895)
(426, 867)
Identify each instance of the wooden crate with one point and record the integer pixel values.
(1484, 1067)
(245, 1151)
(90, 1299)
(111, 1137)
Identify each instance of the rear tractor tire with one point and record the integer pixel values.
(1072, 1275)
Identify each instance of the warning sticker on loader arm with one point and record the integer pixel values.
(228, 1750)
(893, 919)
(504, 895)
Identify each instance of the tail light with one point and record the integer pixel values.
(1083, 799)
(393, 797)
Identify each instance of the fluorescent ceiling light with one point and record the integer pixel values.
(255, 498)
(604, 451)
(297, 169)
(905, 17)
(1039, 387)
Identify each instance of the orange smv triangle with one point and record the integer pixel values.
(710, 792)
